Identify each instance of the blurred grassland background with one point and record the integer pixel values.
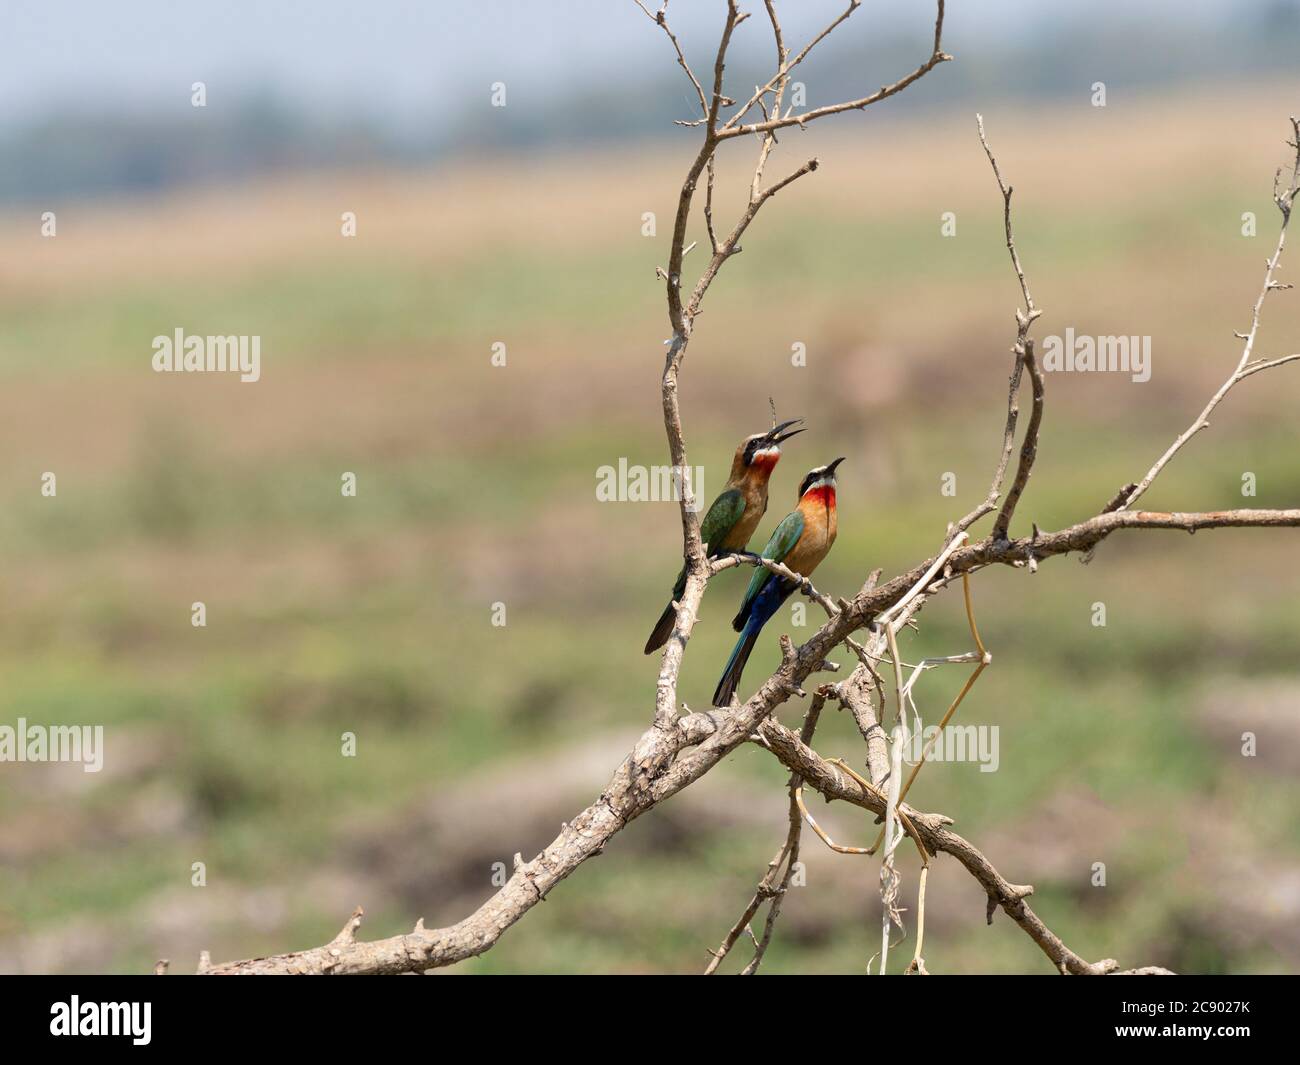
(477, 484)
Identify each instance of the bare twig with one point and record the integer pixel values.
(780, 79)
(805, 585)
(936, 837)
(1028, 446)
(1024, 352)
(660, 18)
(1285, 201)
(769, 890)
(782, 75)
(1266, 364)
(734, 129)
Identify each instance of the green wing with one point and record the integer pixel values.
(778, 546)
(721, 519)
(718, 522)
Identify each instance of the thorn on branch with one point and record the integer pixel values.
(348, 933)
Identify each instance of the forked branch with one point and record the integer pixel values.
(676, 750)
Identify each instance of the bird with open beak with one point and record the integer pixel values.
(735, 514)
(800, 542)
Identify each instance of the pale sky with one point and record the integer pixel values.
(416, 60)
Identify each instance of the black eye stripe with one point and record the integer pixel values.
(811, 479)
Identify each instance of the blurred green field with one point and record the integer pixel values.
(476, 485)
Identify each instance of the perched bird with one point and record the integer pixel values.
(800, 542)
(735, 514)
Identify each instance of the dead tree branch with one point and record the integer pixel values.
(675, 751)
(769, 890)
(1025, 359)
(1284, 199)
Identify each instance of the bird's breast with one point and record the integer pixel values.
(742, 532)
(820, 526)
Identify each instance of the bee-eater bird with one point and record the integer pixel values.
(800, 542)
(735, 514)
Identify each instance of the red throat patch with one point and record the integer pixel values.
(823, 495)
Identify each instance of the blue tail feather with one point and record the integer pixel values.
(766, 604)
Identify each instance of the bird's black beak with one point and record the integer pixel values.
(830, 470)
(778, 433)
